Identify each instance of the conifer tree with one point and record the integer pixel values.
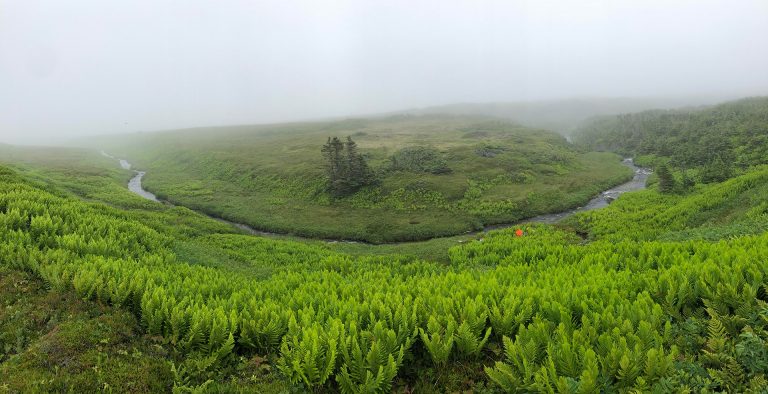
(666, 180)
(353, 165)
(340, 183)
(331, 155)
(346, 168)
(359, 172)
(717, 170)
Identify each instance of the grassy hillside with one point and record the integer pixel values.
(272, 177)
(209, 309)
(733, 208)
(729, 136)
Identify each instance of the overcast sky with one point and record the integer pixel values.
(105, 66)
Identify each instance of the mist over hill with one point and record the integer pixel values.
(564, 115)
(561, 115)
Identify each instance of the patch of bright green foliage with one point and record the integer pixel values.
(537, 313)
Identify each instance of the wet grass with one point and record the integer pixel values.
(271, 177)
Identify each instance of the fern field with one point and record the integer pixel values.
(546, 312)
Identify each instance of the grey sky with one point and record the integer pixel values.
(104, 66)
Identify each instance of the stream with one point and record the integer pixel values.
(134, 185)
(602, 200)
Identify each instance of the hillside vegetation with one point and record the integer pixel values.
(437, 175)
(716, 140)
(538, 312)
(661, 291)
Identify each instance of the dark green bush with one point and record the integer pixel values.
(419, 159)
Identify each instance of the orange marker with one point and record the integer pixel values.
(518, 233)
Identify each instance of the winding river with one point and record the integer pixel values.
(134, 185)
(602, 200)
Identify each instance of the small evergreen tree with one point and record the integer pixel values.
(327, 151)
(716, 171)
(687, 182)
(353, 170)
(358, 171)
(346, 168)
(334, 166)
(666, 180)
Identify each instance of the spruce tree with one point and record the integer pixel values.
(327, 151)
(339, 185)
(354, 174)
(346, 168)
(666, 180)
(335, 166)
(717, 170)
(359, 172)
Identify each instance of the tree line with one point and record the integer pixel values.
(717, 141)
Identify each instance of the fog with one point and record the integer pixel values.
(75, 68)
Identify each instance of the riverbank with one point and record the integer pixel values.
(601, 200)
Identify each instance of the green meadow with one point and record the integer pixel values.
(272, 177)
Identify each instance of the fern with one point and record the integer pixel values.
(263, 331)
(518, 373)
(310, 358)
(658, 365)
(729, 376)
(467, 342)
(370, 360)
(506, 377)
(218, 333)
(225, 349)
(629, 370)
(438, 341)
(194, 337)
(187, 374)
(589, 378)
(717, 340)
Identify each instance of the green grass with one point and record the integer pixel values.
(271, 177)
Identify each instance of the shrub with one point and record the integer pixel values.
(419, 159)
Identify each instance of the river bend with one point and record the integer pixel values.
(602, 200)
